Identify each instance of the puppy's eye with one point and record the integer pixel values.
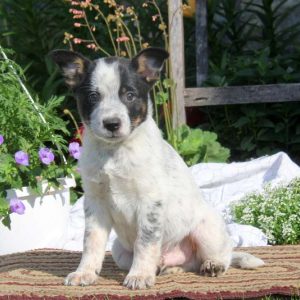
(130, 96)
(93, 97)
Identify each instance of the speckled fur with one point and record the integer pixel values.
(137, 184)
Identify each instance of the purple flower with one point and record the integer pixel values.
(75, 150)
(22, 158)
(1, 139)
(16, 206)
(46, 156)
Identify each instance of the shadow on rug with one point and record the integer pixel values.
(39, 274)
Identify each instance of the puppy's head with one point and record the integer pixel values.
(111, 93)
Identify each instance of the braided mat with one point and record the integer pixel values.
(39, 274)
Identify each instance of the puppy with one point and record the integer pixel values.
(135, 182)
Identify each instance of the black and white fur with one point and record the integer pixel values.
(135, 182)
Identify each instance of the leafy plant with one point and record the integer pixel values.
(196, 145)
(276, 211)
(254, 42)
(32, 28)
(32, 147)
(276, 32)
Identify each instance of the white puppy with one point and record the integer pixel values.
(135, 182)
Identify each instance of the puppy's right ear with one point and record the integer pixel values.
(72, 64)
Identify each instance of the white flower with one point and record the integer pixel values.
(276, 210)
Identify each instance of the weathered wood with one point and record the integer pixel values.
(176, 49)
(242, 94)
(201, 41)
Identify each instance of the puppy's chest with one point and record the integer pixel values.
(125, 178)
(120, 183)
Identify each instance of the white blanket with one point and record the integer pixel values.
(221, 184)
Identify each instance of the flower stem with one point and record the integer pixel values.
(67, 112)
(107, 26)
(93, 37)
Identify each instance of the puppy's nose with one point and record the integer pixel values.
(112, 124)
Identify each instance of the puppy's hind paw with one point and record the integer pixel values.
(211, 268)
(81, 278)
(139, 282)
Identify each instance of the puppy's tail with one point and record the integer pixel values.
(245, 260)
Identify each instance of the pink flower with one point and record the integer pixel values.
(91, 46)
(77, 24)
(77, 14)
(154, 17)
(77, 41)
(122, 39)
(75, 11)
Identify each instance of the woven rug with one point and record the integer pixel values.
(39, 274)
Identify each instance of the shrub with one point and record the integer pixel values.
(276, 211)
(32, 28)
(254, 42)
(196, 145)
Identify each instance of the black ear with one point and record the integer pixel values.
(149, 62)
(72, 64)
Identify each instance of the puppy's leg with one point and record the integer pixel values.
(97, 228)
(122, 257)
(214, 247)
(147, 248)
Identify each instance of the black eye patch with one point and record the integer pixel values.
(128, 94)
(93, 97)
(87, 98)
(133, 93)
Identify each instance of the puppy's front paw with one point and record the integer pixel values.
(81, 278)
(137, 282)
(212, 269)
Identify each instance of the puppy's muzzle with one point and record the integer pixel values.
(112, 124)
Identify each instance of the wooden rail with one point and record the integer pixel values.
(200, 96)
(241, 94)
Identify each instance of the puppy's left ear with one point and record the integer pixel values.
(72, 64)
(149, 62)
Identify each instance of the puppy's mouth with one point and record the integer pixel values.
(115, 135)
(111, 137)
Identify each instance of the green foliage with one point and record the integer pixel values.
(196, 145)
(23, 129)
(4, 213)
(254, 43)
(258, 129)
(33, 28)
(276, 211)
